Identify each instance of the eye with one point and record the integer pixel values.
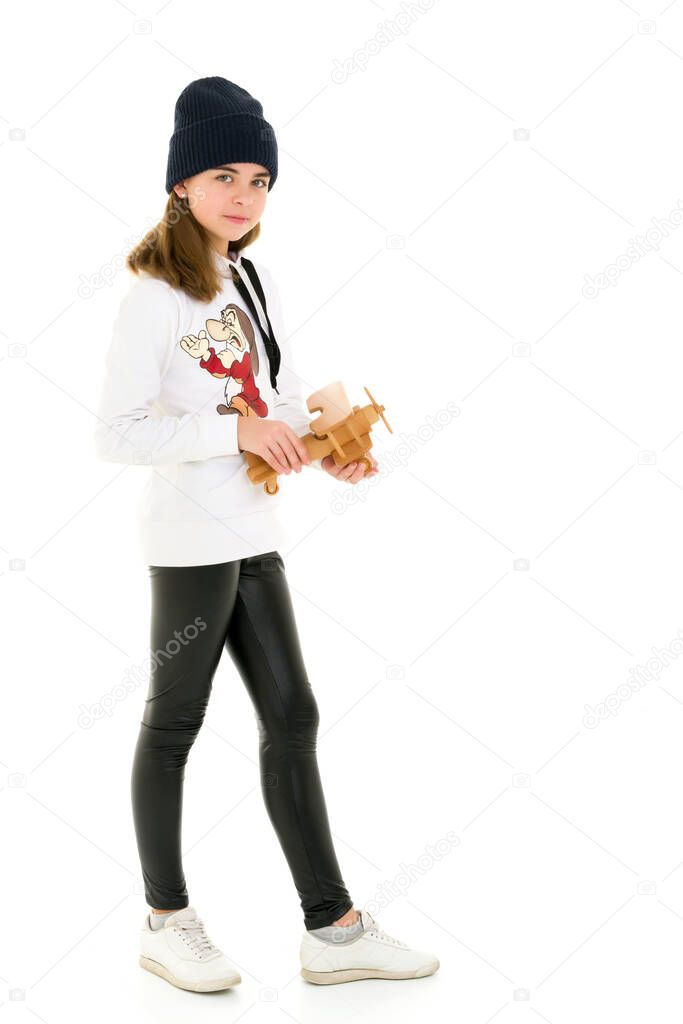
(257, 181)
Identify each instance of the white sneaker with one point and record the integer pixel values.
(182, 953)
(374, 954)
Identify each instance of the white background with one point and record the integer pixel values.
(438, 207)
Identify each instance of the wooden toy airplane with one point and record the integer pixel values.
(341, 430)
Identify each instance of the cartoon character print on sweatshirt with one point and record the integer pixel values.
(237, 363)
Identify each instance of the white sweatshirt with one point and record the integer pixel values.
(159, 408)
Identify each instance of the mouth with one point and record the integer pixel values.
(237, 220)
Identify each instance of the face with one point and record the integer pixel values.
(231, 190)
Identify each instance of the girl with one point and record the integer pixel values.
(194, 377)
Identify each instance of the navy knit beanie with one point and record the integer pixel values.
(217, 122)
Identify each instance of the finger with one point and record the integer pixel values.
(276, 459)
(291, 454)
(274, 463)
(360, 473)
(299, 446)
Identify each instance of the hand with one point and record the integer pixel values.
(274, 441)
(352, 472)
(196, 346)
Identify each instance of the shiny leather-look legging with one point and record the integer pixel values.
(244, 606)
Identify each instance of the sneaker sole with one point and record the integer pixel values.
(216, 985)
(360, 973)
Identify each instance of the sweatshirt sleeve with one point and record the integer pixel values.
(289, 404)
(129, 428)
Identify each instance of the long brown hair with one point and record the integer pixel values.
(178, 250)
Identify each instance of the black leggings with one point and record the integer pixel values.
(245, 606)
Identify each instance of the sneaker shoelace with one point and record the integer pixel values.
(194, 934)
(375, 929)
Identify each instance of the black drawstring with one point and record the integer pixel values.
(269, 340)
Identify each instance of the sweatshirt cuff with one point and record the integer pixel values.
(218, 435)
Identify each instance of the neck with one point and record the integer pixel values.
(226, 254)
